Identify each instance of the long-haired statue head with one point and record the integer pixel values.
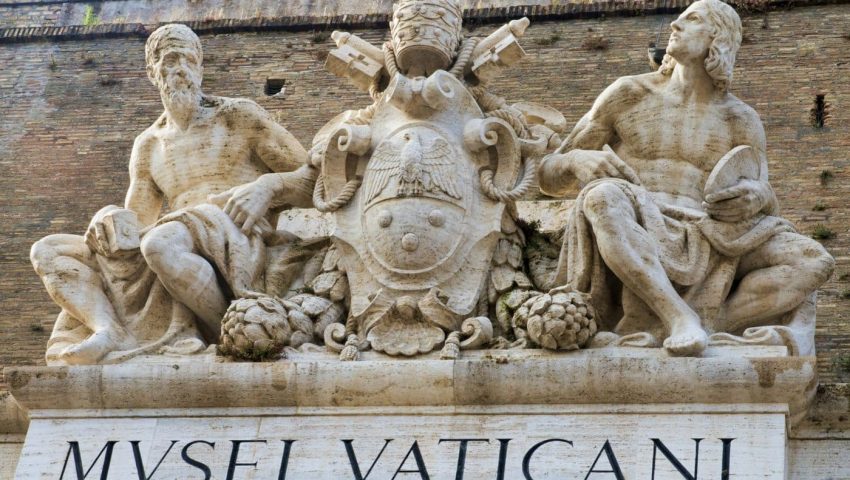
(425, 35)
(726, 30)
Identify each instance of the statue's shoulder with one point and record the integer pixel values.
(738, 109)
(143, 146)
(627, 91)
(151, 135)
(638, 85)
(157, 126)
(742, 117)
(241, 109)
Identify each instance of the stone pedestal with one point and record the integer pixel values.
(624, 413)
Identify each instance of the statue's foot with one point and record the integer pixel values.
(686, 339)
(90, 350)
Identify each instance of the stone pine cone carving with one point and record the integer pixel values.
(559, 320)
(255, 328)
(259, 328)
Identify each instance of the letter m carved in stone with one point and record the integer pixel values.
(74, 449)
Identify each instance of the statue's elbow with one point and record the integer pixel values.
(549, 180)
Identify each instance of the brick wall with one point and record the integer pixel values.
(19, 16)
(71, 108)
(22, 13)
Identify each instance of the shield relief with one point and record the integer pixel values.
(417, 237)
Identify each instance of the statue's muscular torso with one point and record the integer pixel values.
(675, 163)
(214, 154)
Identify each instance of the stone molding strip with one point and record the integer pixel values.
(77, 32)
(495, 380)
(542, 410)
(559, 11)
(25, 3)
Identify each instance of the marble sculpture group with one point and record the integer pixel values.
(674, 239)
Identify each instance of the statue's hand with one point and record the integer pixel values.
(247, 204)
(739, 202)
(590, 165)
(98, 234)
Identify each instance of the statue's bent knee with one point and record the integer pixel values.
(602, 200)
(46, 253)
(158, 244)
(42, 255)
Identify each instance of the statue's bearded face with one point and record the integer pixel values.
(692, 34)
(178, 74)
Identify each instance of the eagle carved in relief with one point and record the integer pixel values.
(415, 165)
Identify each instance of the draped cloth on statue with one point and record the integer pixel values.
(273, 264)
(155, 321)
(699, 255)
(239, 259)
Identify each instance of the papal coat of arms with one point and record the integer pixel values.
(422, 183)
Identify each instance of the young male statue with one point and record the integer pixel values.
(655, 234)
(202, 148)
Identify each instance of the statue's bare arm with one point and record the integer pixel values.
(749, 197)
(291, 181)
(294, 179)
(595, 128)
(580, 158)
(276, 147)
(144, 196)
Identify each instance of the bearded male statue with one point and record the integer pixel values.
(202, 149)
(675, 232)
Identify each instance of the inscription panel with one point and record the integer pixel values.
(537, 443)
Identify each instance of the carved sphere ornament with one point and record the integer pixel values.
(437, 218)
(385, 218)
(410, 242)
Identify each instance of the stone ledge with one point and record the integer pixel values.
(343, 16)
(465, 410)
(75, 32)
(492, 378)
